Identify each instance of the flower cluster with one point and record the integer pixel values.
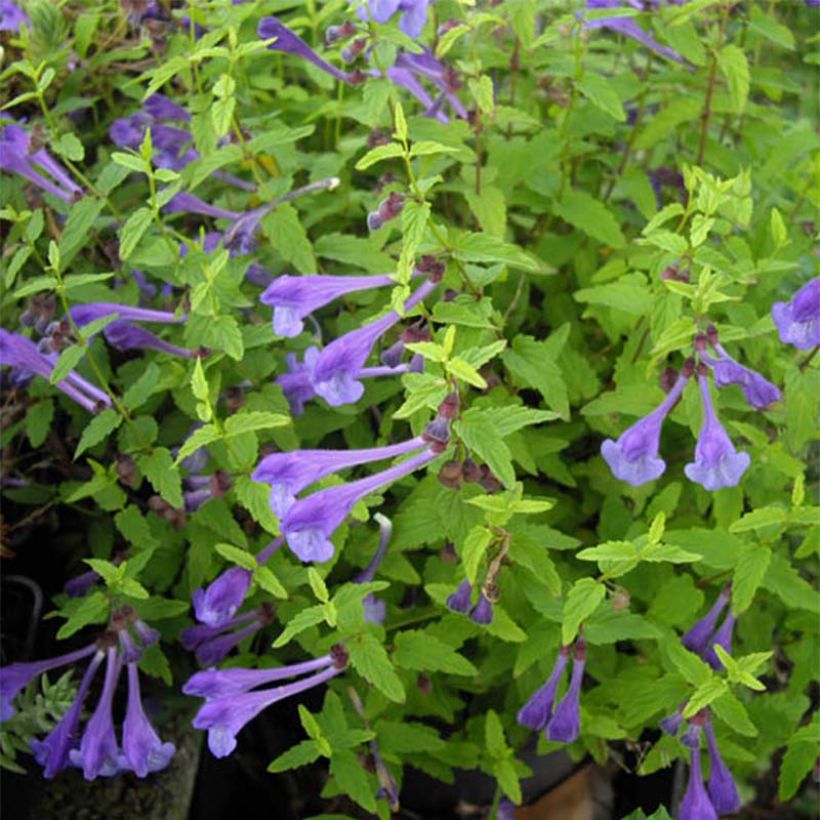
(561, 722)
(97, 751)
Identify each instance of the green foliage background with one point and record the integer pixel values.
(544, 209)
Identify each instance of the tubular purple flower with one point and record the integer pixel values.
(15, 677)
(461, 599)
(722, 638)
(217, 604)
(311, 521)
(22, 355)
(214, 684)
(565, 724)
(185, 203)
(336, 370)
(634, 456)
(98, 754)
(226, 717)
(291, 43)
(628, 27)
(290, 473)
(295, 297)
(193, 636)
(130, 651)
(717, 464)
(78, 586)
(375, 610)
(670, 725)
(537, 711)
(482, 613)
(160, 107)
(385, 534)
(798, 321)
(84, 314)
(297, 383)
(124, 336)
(16, 157)
(213, 650)
(12, 17)
(142, 748)
(759, 392)
(52, 752)
(696, 804)
(148, 635)
(696, 639)
(413, 19)
(722, 787)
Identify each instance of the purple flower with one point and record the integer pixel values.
(84, 314)
(506, 809)
(125, 336)
(722, 786)
(98, 754)
(717, 464)
(213, 643)
(213, 684)
(407, 70)
(15, 677)
(696, 639)
(185, 203)
(18, 156)
(217, 604)
(291, 43)
(385, 534)
(412, 21)
(461, 599)
(12, 16)
(798, 321)
(52, 752)
(628, 27)
(696, 804)
(195, 636)
(311, 521)
(537, 711)
(565, 724)
(482, 613)
(22, 355)
(634, 456)
(670, 725)
(759, 392)
(78, 586)
(336, 371)
(160, 107)
(295, 297)
(224, 718)
(290, 473)
(143, 751)
(722, 638)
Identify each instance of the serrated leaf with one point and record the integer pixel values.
(599, 91)
(92, 608)
(299, 623)
(749, 573)
(133, 230)
(158, 467)
(584, 211)
(254, 420)
(299, 755)
(236, 555)
(379, 154)
(420, 650)
(369, 658)
(582, 600)
(99, 428)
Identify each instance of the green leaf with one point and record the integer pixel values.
(533, 364)
(158, 467)
(800, 758)
(582, 600)
(750, 570)
(287, 235)
(38, 421)
(480, 434)
(133, 230)
(236, 555)
(299, 623)
(494, 740)
(299, 755)
(733, 713)
(704, 695)
(599, 91)
(481, 247)
(134, 528)
(582, 210)
(247, 422)
(266, 579)
(352, 779)
(473, 550)
(379, 154)
(759, 519)
(93, 608)
(318, 585)
(201, 437)
(416, 649)
(68, 360)
(369, 658)
(735, 68)
(99, 428)
(482, 91)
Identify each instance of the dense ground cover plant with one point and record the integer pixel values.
(453, 358)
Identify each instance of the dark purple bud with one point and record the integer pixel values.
(482, 613)
(461, 599)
